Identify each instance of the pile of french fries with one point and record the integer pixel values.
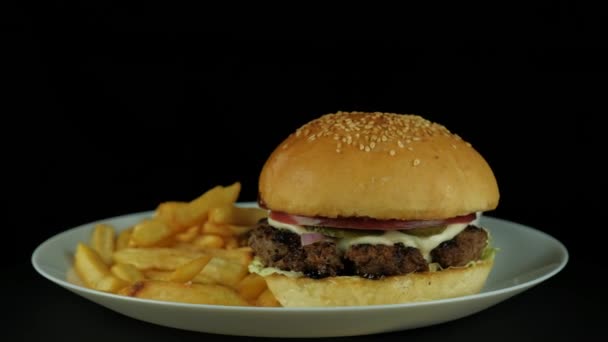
(190, 252)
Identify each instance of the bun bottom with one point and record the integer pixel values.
(357, 291)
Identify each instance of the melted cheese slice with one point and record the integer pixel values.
(424, 243)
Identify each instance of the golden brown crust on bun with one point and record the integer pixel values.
(354, 291)
(379, 165)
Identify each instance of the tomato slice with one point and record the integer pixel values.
(366, 222)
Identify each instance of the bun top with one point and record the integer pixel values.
(378, 165)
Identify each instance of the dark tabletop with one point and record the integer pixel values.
(119, 110)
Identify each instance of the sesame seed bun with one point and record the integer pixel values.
(353, 291)
(378, 165)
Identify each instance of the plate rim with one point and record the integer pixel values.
(36, 263)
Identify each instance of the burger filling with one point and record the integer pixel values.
(319, 252)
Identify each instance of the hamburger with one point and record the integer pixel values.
(373, 208)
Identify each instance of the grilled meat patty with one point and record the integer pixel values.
(464, 247)
(282, 249)
(375, 261)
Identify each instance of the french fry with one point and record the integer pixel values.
(187, 246)
(159, 258)
(209, 241)
(238, 230)
(164, 275)
(188, 235)
(225, 272)
(150, 233)
(267, 299)
(241, 255)
(166, 212)
(123, 239)
(245, 250)
(203, 279)
(189, 270)
(184, 293)
(94, 272)
(251, 287)
(187, 252)
(224, 230)
(231, 243)
(127, 272)
(110, 284)
(102, 241)
(238, 216)
(216, 229)
(89, 265)
(197, 210)
(156, 274)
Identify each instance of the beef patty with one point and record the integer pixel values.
(463, 248)
(282, 249)
(375, 261)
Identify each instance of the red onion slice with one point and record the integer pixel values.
(310, 238)
(367, 223)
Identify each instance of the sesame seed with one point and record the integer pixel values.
(391, 152)
(416, 162)
(384, 132)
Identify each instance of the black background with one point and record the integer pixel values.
(117, 109)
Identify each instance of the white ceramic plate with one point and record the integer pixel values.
(526, 258)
